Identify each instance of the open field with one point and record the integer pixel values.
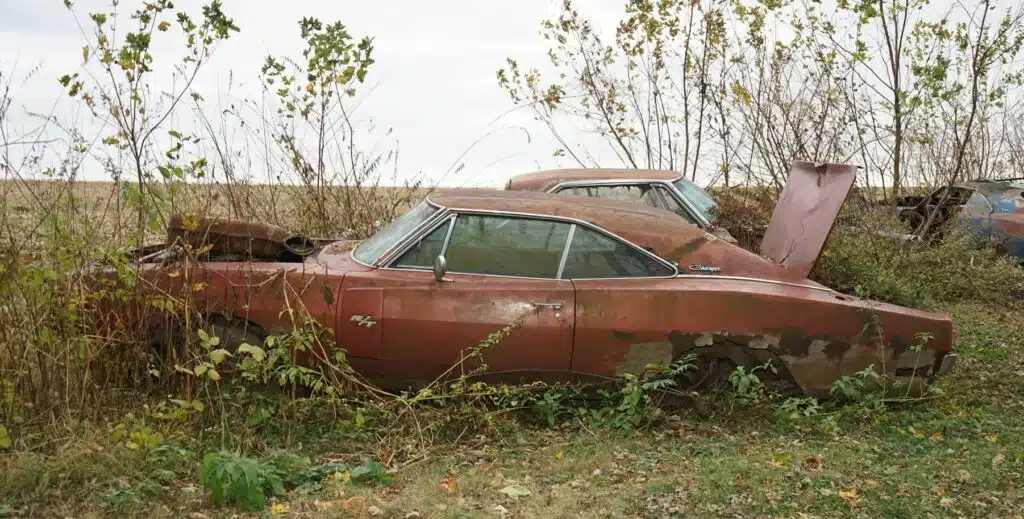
(959, 453)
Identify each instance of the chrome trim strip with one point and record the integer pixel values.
(386, 262)
(426, 270)
(404, 243)
(565, 252)
(448, 235)
(763, 280)
(584, 223)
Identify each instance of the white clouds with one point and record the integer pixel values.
(433, 81)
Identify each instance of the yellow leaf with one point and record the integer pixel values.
(936, 436)
(559, 455)
(163, 26)
(212, 373)
(346, 476)
(174, 274)
(199, 287)
(849, 495)
(992, 437)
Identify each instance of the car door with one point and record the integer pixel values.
(501, 276)
(617, 331)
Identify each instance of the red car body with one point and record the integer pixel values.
(600, 287)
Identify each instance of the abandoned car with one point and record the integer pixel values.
(663, 189)
(596, 288)
(992, 210)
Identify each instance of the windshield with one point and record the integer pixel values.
(697, 197)
(372, 248)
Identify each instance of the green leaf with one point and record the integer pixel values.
(5, 438)
(218, 355)
(256, 352)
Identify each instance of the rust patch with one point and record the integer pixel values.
(328, 295)
(642, 354)
(687, 248)
(619, 334)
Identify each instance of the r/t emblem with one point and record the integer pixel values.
(363, 320)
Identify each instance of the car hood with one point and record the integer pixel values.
(806, 211)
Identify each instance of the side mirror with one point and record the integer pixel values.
(440, 268)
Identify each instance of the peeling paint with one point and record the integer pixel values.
(640, 355)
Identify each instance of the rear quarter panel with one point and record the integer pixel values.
(817, 335)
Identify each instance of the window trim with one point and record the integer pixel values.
(667, 184)
(387, 260)
(440, 214)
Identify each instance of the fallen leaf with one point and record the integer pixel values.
(280, 508)
(502, 511)
(374, 511)
(780, 460)
(515, 491)
(739, 482)
(936, 436)
(449, 485)
(992, 437)
(945, 502)
(812, 462)
(559, 455)
(356, 505)
(963, 476)
(998, 460)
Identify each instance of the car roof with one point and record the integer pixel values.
(544, 180)
(657, 229)
(662, 232)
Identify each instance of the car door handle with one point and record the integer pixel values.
(556, 306)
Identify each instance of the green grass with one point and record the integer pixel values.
(960, 454)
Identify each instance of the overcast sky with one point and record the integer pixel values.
(434, 75)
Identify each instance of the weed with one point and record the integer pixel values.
(747, 385)
(245, 481)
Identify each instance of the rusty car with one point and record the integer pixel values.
(597, 288)
(991, 210)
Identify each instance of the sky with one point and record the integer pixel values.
(433, 82)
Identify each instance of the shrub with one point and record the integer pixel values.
(858, 261)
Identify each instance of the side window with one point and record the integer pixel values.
(642, 193)
(422, 254)
(595, 255)
(977, 206)
(506, 246)
(674, 205)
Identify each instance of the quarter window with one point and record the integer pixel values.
(673, 205)
(595, 255)
(506, 246)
